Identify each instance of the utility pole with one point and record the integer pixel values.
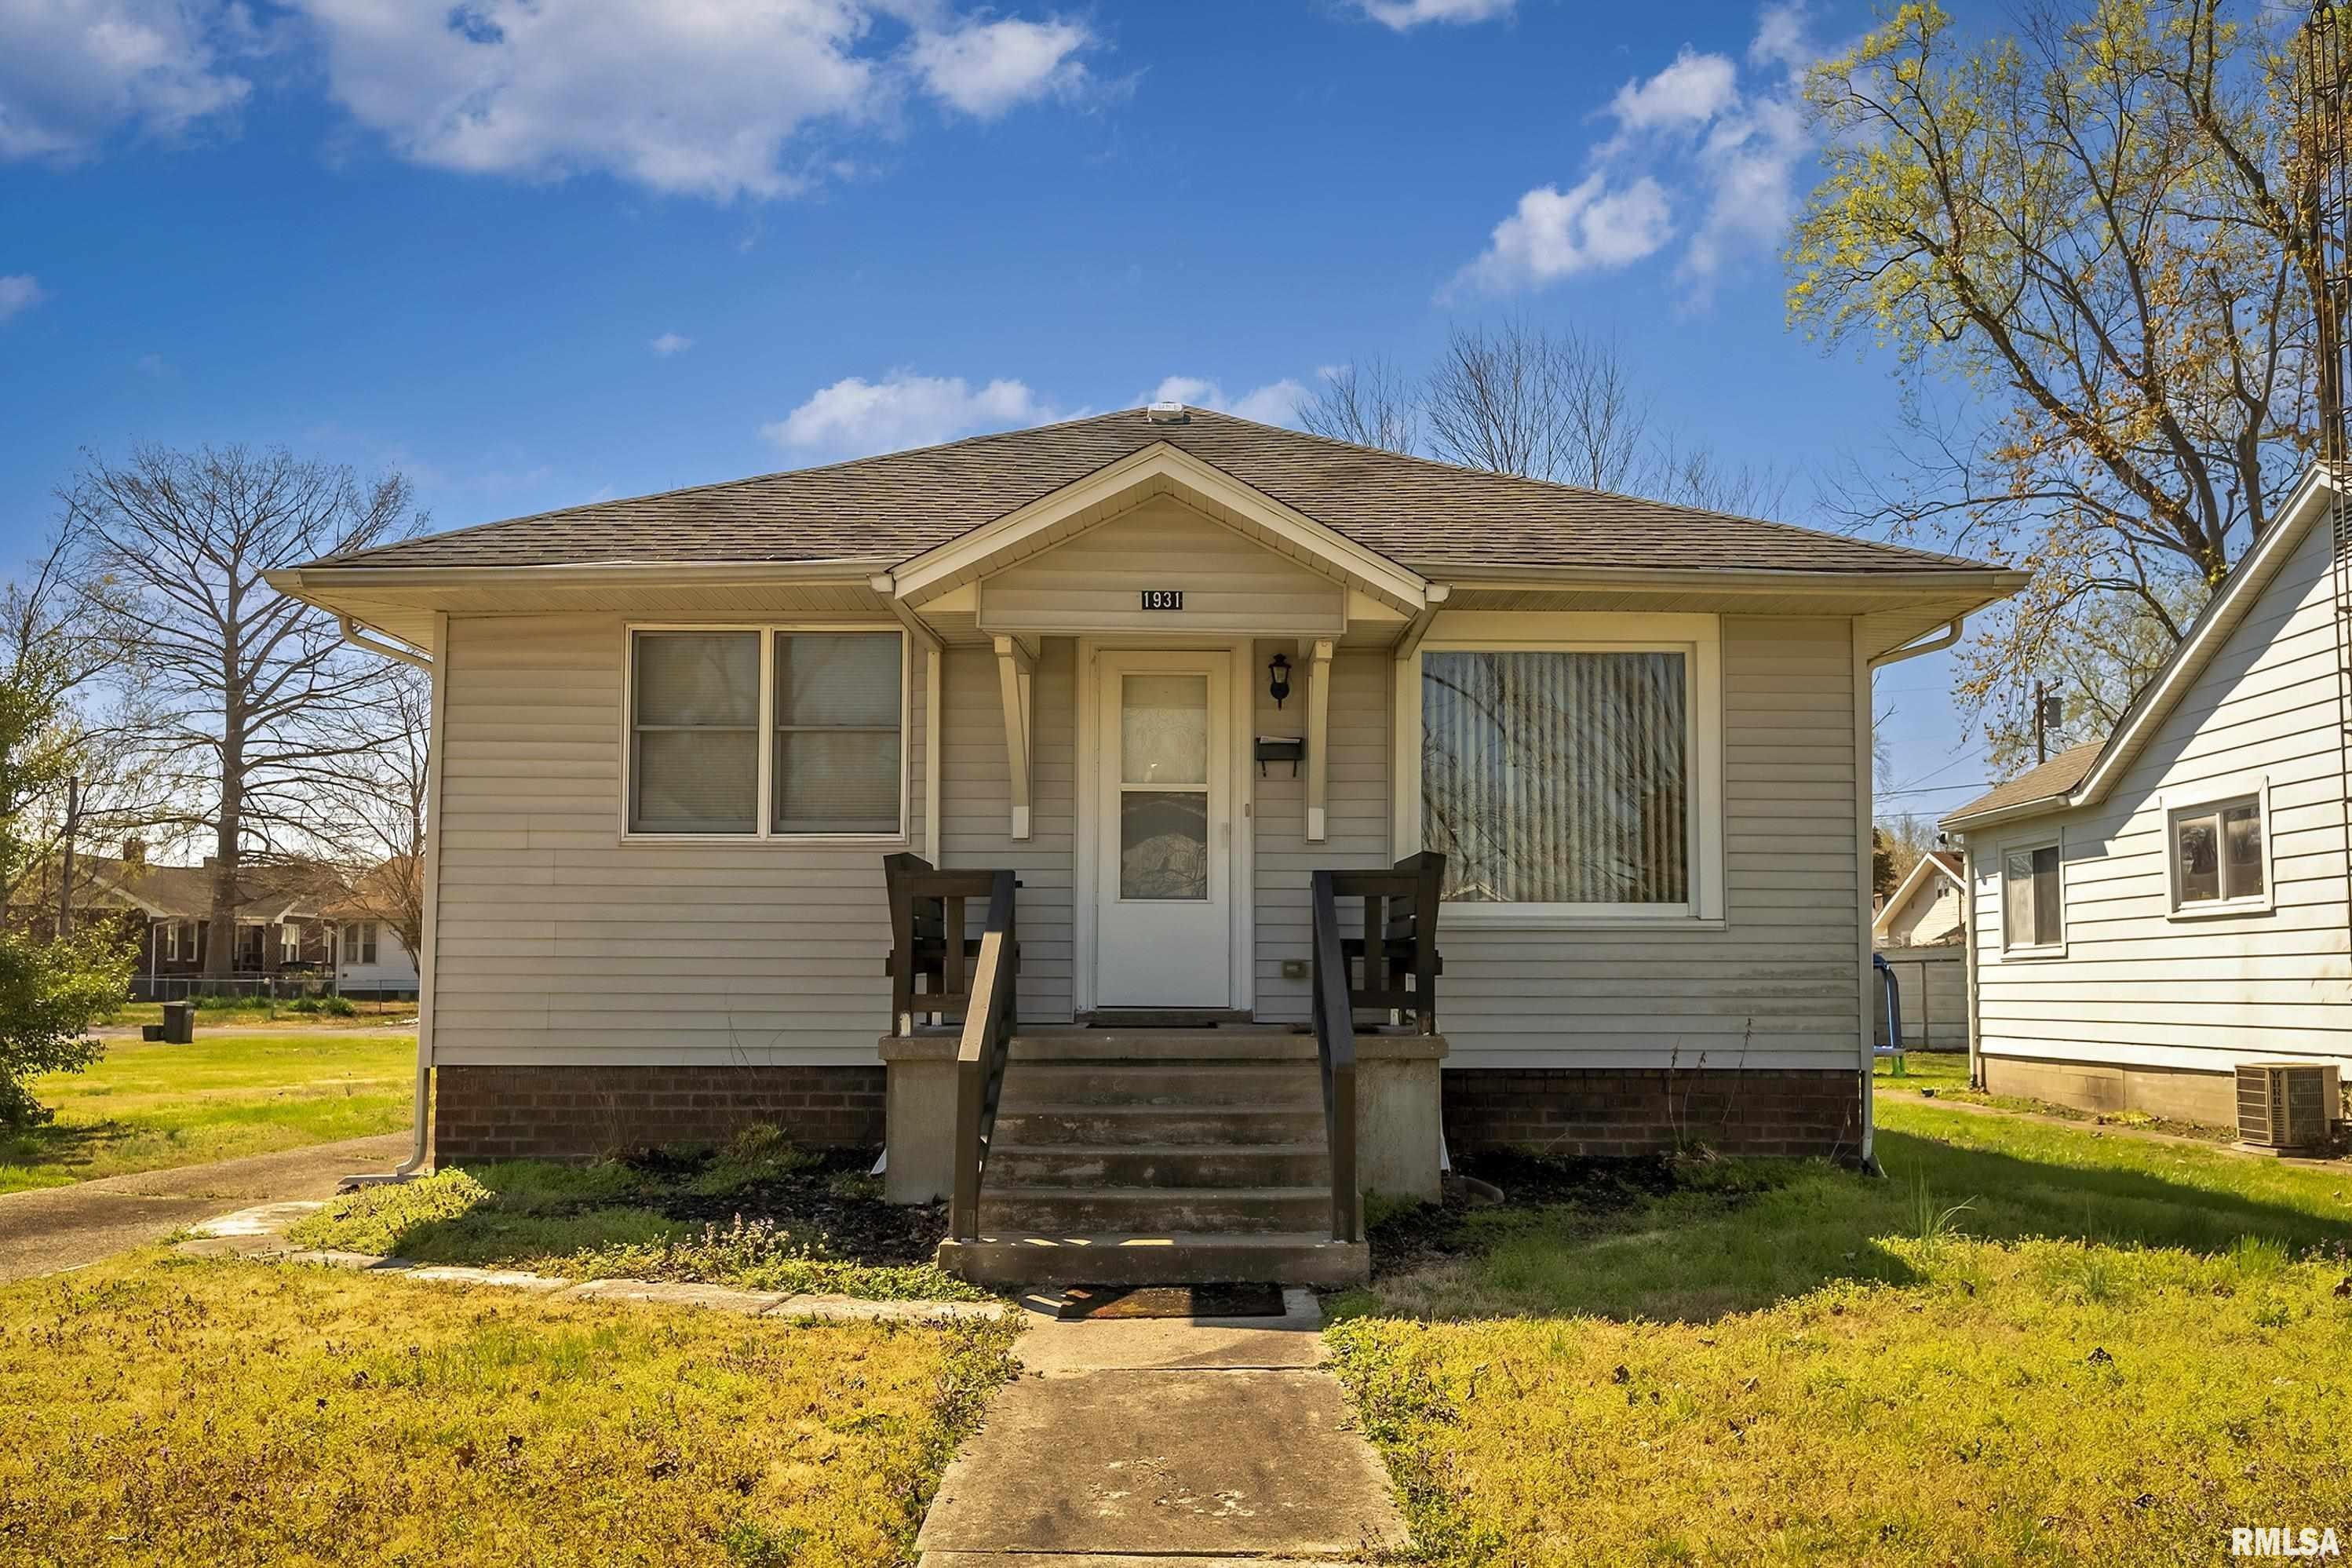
(65, 869)
(2041, 723)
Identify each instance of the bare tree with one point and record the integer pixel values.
(1522, 399)
(171, 551)
(366, 794)
(1369, 402)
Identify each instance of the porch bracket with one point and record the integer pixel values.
(1317, 659)
(1016, 669)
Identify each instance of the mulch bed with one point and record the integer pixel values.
(1429, 1234)
(804, 1203)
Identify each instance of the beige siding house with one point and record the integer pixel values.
(1167, 668)
(2153, 910)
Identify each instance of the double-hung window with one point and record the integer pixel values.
(767, 733)
(1571, 783)
(2032, 897)
(2217, 857)
(359, 942)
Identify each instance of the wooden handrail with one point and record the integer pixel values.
(1333, 1012)
(988, 1024)
(1399, 946)
(927, 940)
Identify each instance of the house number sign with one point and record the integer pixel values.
(1163, 599)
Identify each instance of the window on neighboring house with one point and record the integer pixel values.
(289, 942)
(1560, 777)
(2217, 854)
(359, 942)
(2032, 910)
(168, 934)
(830, 736)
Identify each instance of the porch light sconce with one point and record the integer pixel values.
(1277, 682)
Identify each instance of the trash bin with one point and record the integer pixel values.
(179, 1023)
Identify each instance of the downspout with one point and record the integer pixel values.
(421, 1115)
(1864, 667)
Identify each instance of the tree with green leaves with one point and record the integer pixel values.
(54, 983)
(2093, 246)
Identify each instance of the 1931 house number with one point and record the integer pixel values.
(1163, 599)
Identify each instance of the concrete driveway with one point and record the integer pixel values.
(55, 1228)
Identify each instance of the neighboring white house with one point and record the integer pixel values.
(676, 737)
(1928, 906)
(2155, 908)
(371, 963)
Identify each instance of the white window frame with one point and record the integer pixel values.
(359, 942)
(2026, 845)
(2210, 801)
(1698, 638)
(170, 942)
(764, 833)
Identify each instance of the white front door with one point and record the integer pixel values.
(1163, 855)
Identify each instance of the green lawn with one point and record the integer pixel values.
(223, 1011)
(166, 1410)
(150, 1107)
(2030, 1344)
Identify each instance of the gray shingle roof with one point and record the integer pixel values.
(2050, 781)
(893, 507)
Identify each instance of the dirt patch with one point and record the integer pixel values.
(1465, 1219)
(831, 1202)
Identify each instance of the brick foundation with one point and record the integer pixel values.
(1619, 1112)
(577, 1112)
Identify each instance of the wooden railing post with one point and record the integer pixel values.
(981, 1053)
(1333, 1011)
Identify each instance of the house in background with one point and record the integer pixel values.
(2154, 909)
(1920, 931)
(283, 935)
(371, 963)
(676, 738)
(1926, 910)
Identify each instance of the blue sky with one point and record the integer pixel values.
(535, 254)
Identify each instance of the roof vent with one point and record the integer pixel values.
(1165, 413)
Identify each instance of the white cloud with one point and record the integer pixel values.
(20, 292)
(1691, 91)
(1781, 40)
(717, 99)
(670, 344)
(1405, 14)
(1696, 136)
(74, 71)
(1589, 227)
(1276, 403)
(985, 68)
(855, 416)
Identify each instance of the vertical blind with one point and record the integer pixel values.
(697, 730)
(1557, 777)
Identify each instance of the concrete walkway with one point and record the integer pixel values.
(1128, 1441)
(54, 1228)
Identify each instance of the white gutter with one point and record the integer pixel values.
(420, 1150)
(356, 635)
(1936, 644)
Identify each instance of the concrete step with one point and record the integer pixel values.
(1081, 1209)
(1303, 1257)
(1039, 1125)
(1262, 1044)
(1187, 1084)
(1163, 1165)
